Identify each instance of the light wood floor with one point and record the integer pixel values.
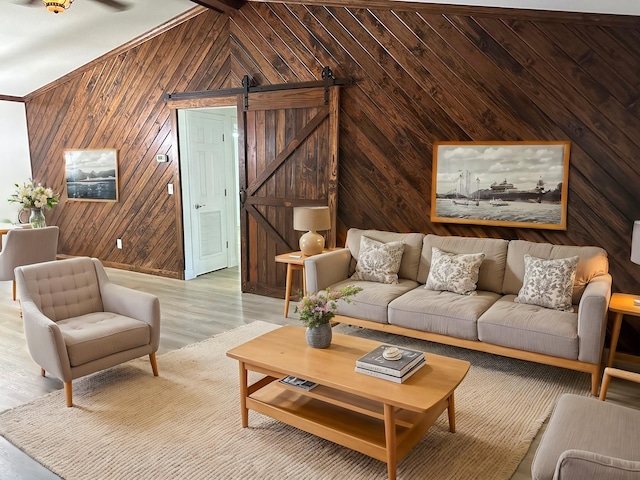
(191, 311)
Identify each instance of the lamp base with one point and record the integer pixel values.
(311, 243)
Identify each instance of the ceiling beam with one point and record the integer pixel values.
(226, 6)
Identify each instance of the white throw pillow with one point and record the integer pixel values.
(377, 261)
(548, 283)
(451, 272)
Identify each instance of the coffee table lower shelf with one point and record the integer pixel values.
(375, 429)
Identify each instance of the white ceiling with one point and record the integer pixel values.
(38, 47)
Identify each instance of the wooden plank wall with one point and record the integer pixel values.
(420, 75)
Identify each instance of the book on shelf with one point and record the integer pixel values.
(393, 378)
(298, 382)
(375, 361)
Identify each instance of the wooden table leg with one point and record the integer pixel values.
(451, 410)
(244, 391)
(615, 334)
(287, 293)
(390, 438)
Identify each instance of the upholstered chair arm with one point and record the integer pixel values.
(578, 465)
(327, 268)
(131, 303)
(592, 318)
(45, 342)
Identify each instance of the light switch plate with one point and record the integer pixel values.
(119, 243)
(170, 188)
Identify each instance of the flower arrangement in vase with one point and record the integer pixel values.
(35, 197)
(317, 309)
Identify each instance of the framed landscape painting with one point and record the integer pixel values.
(92, 175)
(512, 184)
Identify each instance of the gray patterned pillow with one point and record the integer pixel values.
(451, 272)
(377, 261)
(548, 283)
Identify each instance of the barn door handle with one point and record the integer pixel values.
(197, 206)
(243, 197)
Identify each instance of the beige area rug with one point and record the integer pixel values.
(185, 424)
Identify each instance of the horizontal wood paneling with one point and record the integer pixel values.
(422, 73)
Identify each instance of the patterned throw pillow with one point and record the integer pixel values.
(548, 283)
(451, 272)
(377, 261)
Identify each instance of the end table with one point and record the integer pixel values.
(622, 304)
(294, 261)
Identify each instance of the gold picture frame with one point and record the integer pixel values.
(509, 184)
(92, 174)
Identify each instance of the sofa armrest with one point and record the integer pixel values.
(327, 268)
(592, 318)
(578, 465)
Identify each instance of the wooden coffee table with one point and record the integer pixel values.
(381, 419)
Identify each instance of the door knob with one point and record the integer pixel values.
(197, 206)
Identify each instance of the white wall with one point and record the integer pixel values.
(14, 157)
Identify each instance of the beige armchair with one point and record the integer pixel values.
(587, 438)
(24, 246)
(77, 322)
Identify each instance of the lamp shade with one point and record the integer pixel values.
(635, 243)
(311, 219)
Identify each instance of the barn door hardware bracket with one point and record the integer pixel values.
(246, 84)
(328, 80)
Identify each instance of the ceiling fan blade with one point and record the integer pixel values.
(116, 5)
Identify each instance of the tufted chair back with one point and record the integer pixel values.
(65, 289)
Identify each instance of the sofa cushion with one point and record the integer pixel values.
(457, 273)
(589, 425)
(444, 313)
(410, 257)
(530, 327)
(85, 335)
(378, 261)
(491, 271)
(548, 283)
(373, 301)
(593, 262)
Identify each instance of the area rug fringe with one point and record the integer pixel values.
(185, 424)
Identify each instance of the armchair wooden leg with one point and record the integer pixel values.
(68, 394)
(42, 372)
(14, 290)
(154, 363)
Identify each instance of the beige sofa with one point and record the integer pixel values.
(488, 320)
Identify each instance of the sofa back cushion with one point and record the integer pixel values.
(593, 262)
(410, 257)
(491, 273)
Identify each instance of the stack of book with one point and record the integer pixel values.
(375, 364)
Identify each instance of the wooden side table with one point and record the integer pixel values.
(295, 262)
(621, 304)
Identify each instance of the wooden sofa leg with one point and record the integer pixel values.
(154, 363)
(68, 394)
(14, 290)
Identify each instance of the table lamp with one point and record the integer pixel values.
(635, 250)
(311, 219)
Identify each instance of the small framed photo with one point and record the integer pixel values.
(92, 175)
(510, 184)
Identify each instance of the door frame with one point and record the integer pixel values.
(232, 208)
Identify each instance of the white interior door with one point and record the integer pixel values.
(208, 193)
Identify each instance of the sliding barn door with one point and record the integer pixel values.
(289, 159)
